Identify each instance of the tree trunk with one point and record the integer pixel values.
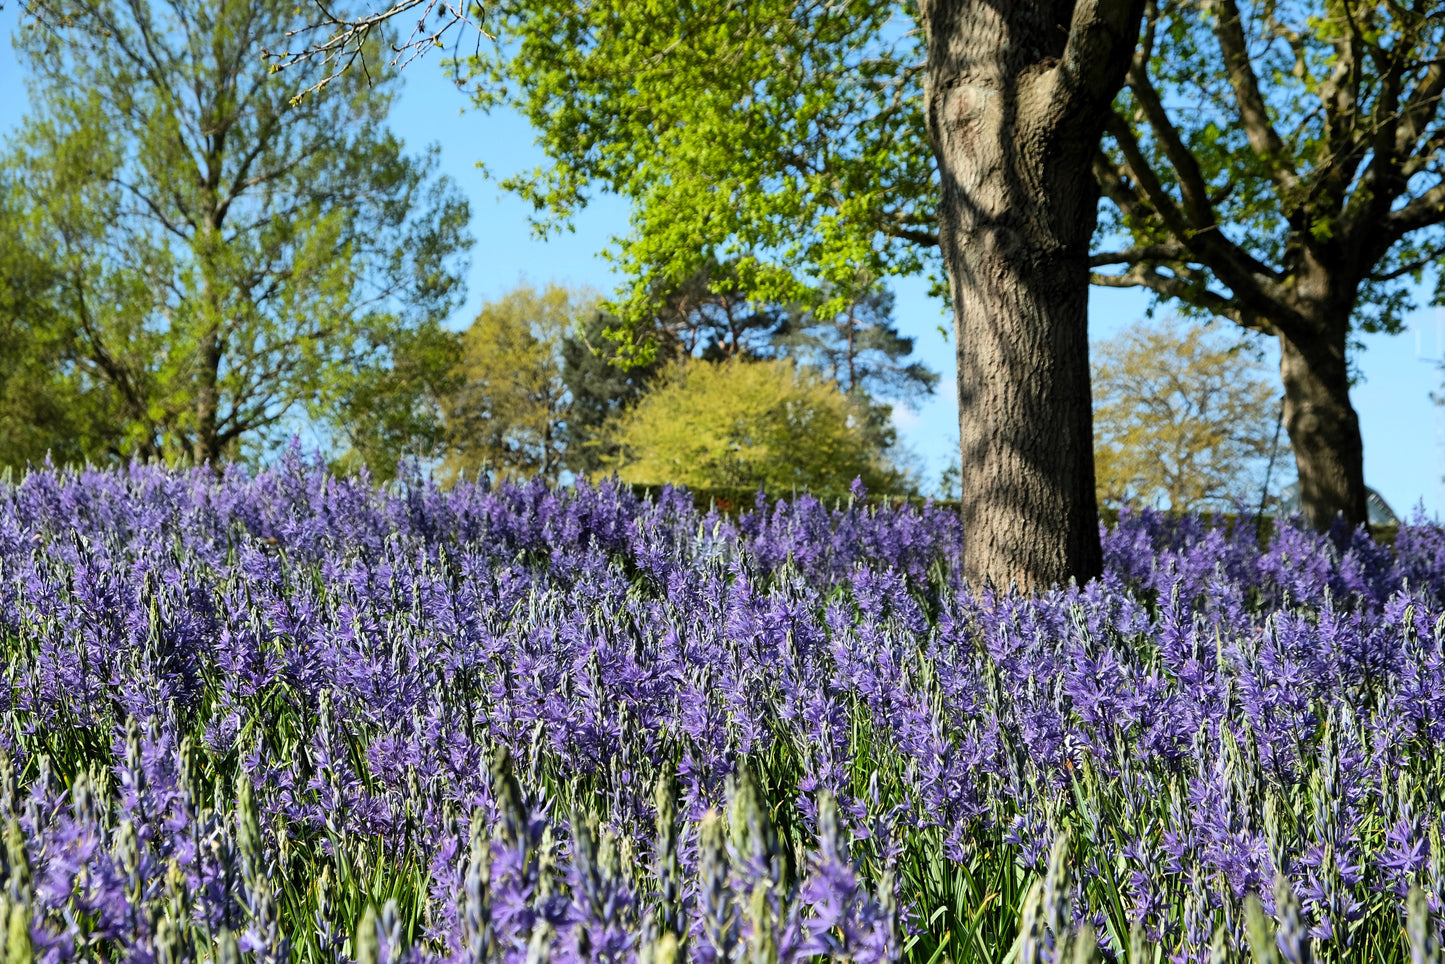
(1017, 210)
(1323, 426)
(205, 447)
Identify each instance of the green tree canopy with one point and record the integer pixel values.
(1183, 418)
(224, 254)
(46, 405)
(396, 411)
(766, 424)
(778, 136)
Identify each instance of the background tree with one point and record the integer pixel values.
(711, 315)
(395, 411)
(511, 404)
(859, 347)
(1182, 418)
(1283, 166)
(46, 408)
(805, 141)
(766, 424)
(599, 388)
(221, 254)
(540, 382)
(848, 334)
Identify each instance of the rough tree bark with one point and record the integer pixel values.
(1016, 95)
(1314, 366)
(1322, 425)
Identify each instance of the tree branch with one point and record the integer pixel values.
(1397, 131)
(1262, 136)
(1410, 267)
(102, 358)
(1192, 187)
(1425, 211)
(1102, 37)
(1113, 181)
(1143, 174)
(1246, 276)
(1420, 108)
(1168, 251)
(926, 239)
(1340, 98)
(346, 42)
(1149, 276)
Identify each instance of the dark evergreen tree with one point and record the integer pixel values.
(860, 348)
(599, 389)
(713, 316)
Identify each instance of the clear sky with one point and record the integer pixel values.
(1404, 432)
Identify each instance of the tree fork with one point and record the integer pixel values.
(1016, 98)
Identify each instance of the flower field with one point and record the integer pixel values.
(288, 717)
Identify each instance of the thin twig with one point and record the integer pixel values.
(346, 36)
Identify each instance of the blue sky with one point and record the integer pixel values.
(1404, 432)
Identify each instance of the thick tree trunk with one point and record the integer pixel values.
(1322, 424)
(1017, 211)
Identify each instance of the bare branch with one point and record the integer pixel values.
(346, 36)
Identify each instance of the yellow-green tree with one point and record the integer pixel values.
(507, 412)
(1183, 418)
(746, 424)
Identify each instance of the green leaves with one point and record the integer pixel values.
(1289, 138)
(783, 136)
(508, 402)
(220, 259)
